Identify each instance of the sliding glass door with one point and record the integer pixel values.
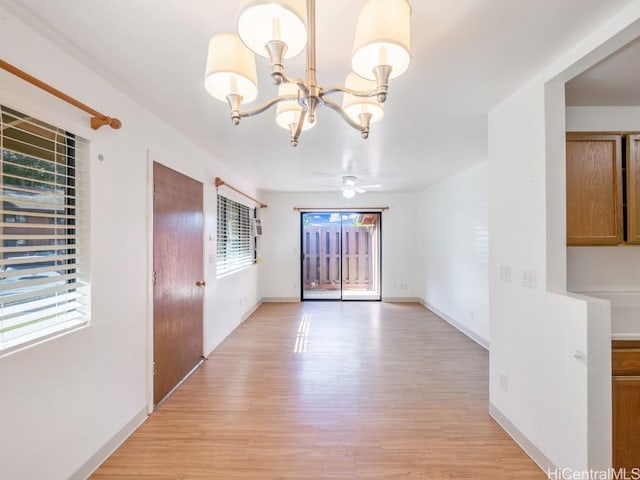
(361, 256)
(340, 255)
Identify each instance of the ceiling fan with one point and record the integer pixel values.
(350, 186)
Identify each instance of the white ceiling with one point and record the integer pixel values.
(468, 55)
(612, 82)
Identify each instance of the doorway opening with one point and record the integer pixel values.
(341, 255)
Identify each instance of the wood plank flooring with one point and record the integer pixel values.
(330, 391)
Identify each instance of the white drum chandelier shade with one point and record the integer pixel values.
(231, 69)
(280, 29)
(382, 38)
(260, 22)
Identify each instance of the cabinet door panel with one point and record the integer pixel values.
(594, 189)
(633, 188)
(626, 422)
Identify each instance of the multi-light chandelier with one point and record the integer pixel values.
(280, 29)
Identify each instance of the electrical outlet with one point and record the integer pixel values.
(505, 273)
(529, 278)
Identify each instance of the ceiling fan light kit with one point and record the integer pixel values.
(281, 29)
(350, 186)
(349, 192)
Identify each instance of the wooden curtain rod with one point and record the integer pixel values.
(97, 119)
(220, 183)
(341, 209)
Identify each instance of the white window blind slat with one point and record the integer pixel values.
(42, 286)
(37, 217)
(13, 287)
(34, 269)
(39, 251)
(36, 224)
(39, 315)
(19, 262)
(53, 163)
(44, 178)
(45, 302)
(30, 190)
(45, 328)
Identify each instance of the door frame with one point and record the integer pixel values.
(149, 270)
(300, 259)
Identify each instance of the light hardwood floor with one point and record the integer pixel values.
(330, 390)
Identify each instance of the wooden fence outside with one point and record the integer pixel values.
(321, 263)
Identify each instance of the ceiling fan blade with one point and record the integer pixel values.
(359, 189)
(375, 185)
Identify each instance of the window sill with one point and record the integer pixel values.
(228, 274)
(8, 347)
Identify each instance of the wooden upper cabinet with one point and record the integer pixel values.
(633, 188)
(594, 189)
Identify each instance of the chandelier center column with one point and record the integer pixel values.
(313, 99)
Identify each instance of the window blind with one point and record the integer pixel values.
(235, 244)
(43, 291)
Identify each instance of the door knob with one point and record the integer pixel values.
(201, 283)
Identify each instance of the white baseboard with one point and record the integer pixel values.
(529, 448)
(281, 300)
(111, 446)
(401, 299)
(454, 323)
(249, 312)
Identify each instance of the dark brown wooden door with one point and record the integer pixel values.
(178, 266)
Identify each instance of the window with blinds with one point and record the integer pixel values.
(42, 287)
(236, 245)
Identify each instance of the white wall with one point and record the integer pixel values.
(603, 119)
(279, 248)
(603, 269)
(454, 242)
(63, 401)
(550, 353)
